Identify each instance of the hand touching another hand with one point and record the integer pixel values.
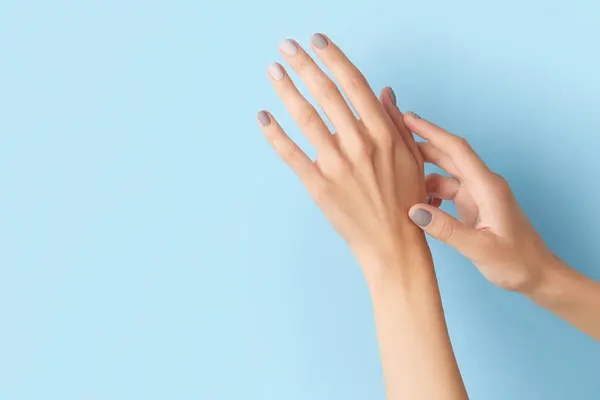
(370, 172)
(366, 178)
(494, 232)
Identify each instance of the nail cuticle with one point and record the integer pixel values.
(319, 41)
(289, 47)
(276, 71)
(392, 96)
(264, 118)
(421, 217)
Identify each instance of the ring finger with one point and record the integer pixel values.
(301, 110)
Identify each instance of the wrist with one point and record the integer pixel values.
(549, 287)
(393, 259)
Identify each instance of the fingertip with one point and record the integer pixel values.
(391, 96)
(276, 71)
(289, 47)
(319, 41)
(419, 206)
(421, 214)
(435, 201)
(411, 118)
(384, 96)
(264, 118)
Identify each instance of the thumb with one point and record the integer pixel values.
(447, 229)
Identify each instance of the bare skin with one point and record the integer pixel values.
(365, 179)
(494, 232)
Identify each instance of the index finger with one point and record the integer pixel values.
(468, 163)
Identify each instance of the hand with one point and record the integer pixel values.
(365, 179)
(370, 172)
(493, 231)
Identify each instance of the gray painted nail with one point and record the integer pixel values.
(276, 71)
(289, 47)
(421, 217)
(319, 41)
(414, 115)
(392, 96)
(263, 118)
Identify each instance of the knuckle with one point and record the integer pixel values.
(357, 81)
(320, 191)
(446, 231)
(501, 185)
(289, 154)
(308, 117)
(385, 139)
(328, 89)
(303, 64)
(382, 135)
(363, 153)
(338, 168)
(367, 148)
(462, 143)
(500, 179)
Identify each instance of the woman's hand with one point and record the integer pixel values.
(369, 173)
(493, 231)
(365, 179)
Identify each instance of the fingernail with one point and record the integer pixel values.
(421, 217)
(414, 115)
(263, 118)
(289, 47)
(392, 96)
(276, 71)
(429, 199)
(319, 41)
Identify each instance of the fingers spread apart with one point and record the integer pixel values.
(356, 139)
(323, 89)
(305, 115)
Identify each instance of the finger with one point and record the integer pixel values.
(301, 110)
(323, 89)
(351, 80)
(441, 187)
(470, 242)
(388, 99)
(458, 149)
(289, 151)
(431, 154)
(434, 201)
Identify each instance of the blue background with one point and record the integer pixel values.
(153, 246)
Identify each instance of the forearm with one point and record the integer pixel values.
(417, 357)
(570, 295)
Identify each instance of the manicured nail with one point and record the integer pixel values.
(263, 118)
(421, 217)
(289, 47)
(276, 71)
(429, 199)
(392, 96)
(414, 115)
(319, 41)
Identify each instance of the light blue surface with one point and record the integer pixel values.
(154, 247)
